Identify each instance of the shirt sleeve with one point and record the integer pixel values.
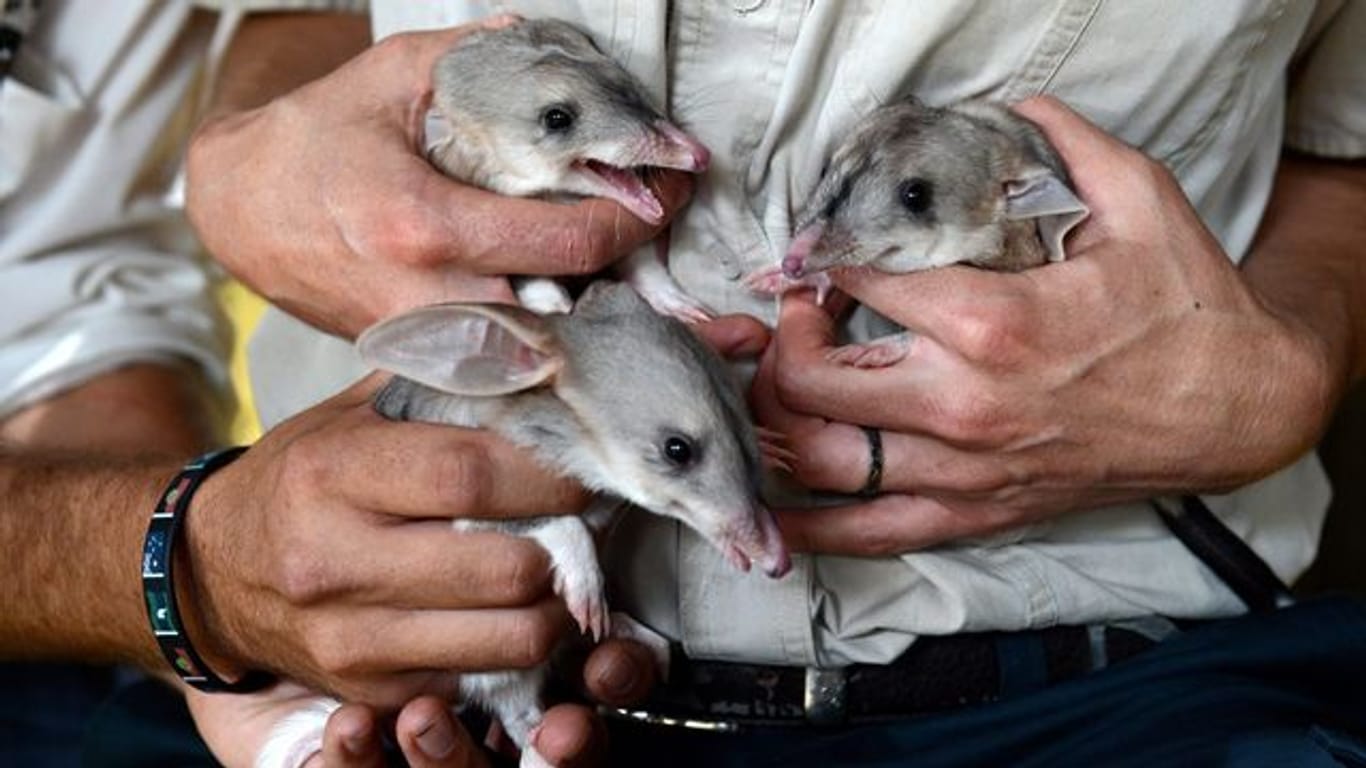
(1327, 113)
(98, 266)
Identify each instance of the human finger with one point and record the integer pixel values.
(351, 739)
(620, 672)
(806, 380)
(373, 641)
(491, 234)
(958, 307)
(734, 336)
(570, 736)
(428, 566)
(888, 525)
(824, 454)
(425, 470)
(1089, 152)
(431, 737)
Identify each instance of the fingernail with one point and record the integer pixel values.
(436, 740)
(619, 679)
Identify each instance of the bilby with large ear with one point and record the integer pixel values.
(916, 187)
(478, 350)
(1039, 194)
(455, 361)
(626, 401)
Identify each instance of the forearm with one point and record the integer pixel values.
(1309, 261)
(79, 475)
(274, 53)
(73, 527)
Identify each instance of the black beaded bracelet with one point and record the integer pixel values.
(158, 584)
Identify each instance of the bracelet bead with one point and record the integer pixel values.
(158, 582)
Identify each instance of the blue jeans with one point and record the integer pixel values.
(1280, 689)
(44, 709)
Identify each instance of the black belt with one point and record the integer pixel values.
(935, 675)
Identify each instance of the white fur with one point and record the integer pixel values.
(543, 296)
(645, 271)
(297, 737)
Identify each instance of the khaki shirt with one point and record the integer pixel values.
(98, 267)
(770, 86)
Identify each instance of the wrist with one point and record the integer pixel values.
(171, 601)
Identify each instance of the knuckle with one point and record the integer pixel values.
(304, 579)
(989, 335)
(822, 464)
(399, 229)
(877, 541)
(794, 385)
(398, 46)
(519, 571)
(331, 651)
(971, 417)
(536, 636)
(463, 478)
(982, 481)
(306, 464)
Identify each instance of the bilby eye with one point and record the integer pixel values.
(679, 451)
(915, 194)
(557, 119)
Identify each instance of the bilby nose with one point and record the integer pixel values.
(696, 157)
(764, 545)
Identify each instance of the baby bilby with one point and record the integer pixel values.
(534, 109)
(629, 402)
(915, 187)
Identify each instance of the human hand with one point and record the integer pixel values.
(1143, 365)
(356, 584)
(236, 727)
(323, 202)
(326, 553)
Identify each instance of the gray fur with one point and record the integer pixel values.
(496, 84)
(629, 378)
(594, 394)
(968, 155)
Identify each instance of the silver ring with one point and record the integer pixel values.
(873, 485)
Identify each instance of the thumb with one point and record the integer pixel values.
(734, 336)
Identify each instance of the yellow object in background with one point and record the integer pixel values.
(244, 309)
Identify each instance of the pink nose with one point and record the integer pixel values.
(793, 266)
(699, 157)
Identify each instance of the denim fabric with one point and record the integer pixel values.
(1281, 689)
(44, 709)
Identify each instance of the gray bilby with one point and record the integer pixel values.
(916, 187)
(534, 109)
(629, 402)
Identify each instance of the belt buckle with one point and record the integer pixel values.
(654, 718)
(824, 697)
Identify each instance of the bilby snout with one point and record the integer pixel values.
(686, 153)
(799, 253)
(758, 541)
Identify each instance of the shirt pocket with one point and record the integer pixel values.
(1163, 75)
(1168, 76)
(38, 109)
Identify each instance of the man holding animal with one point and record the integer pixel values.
(1145, 365)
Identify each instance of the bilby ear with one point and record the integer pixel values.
(1041, 195)
(478, 350)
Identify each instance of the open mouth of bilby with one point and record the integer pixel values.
(626, 186)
